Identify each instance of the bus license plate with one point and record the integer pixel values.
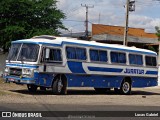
(11, 79)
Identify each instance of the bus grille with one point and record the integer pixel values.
(15, 71)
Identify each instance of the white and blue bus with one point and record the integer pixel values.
(59, 62)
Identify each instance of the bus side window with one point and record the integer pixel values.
(132, 59)
(103, 56)
(71, 52)
(94, 55)
(57, 55)
(53, 55)
(114, 57)
(76, 53)
(98, 55)
(154, 61)
(135, 59)
(139, 59)
(81, 54)
(151, 61)
(117, 57)
(122, 58)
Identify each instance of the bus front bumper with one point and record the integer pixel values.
(19, 80)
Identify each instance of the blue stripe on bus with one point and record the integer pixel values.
(101, 69)
(18, 78)
(88, 45)
(152, 72)
(75, 67)
(22, 65)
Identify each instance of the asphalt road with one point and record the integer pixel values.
(17, 98)
(48, 107)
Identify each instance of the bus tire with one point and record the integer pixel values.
(32, 88)
(125, 87)
(59, 86)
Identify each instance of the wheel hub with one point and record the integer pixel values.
(60, 85)
(126, 87)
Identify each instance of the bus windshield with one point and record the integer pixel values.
(26, 52)
(14, 51)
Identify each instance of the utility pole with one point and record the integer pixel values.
(130, 6)
(99, 18)
(86, 22)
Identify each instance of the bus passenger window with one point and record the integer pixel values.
(151, 61)
(122, 58)
(103, 56)
(54, 55)
(139, 59)
(154, 61)
(117, 57)
(76, 53)
(94, 55)
(81, 54)
(71, 53)
(98, 55)
(57, 55)
(135, 59)
(132, 59)
(114, 57)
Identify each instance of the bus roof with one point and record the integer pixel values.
(62, 40)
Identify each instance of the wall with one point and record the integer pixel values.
(118, 30)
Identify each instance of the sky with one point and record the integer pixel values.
(110, 12)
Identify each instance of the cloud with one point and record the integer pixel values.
(145, 22)
(111, 12)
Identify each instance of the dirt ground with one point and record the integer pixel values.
(12, 93)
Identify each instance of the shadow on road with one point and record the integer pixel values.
(83, 92)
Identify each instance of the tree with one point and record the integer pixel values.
(21, 19)
(158, 32)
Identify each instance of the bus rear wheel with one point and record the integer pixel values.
(59, 86)
(32, 88)
(125, 87)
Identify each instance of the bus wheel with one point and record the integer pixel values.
(32, 88)
(59, 86)
(125, 87)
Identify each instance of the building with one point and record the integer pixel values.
(115, 35)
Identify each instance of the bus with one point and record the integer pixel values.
(60, 62)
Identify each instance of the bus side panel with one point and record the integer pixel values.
(94, 81)
(144, 82)
(44, 79)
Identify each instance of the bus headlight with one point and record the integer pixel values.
(6, 69)
(27, 71)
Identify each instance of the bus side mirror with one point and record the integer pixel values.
(47, 51)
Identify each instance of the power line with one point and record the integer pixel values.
(73, 20)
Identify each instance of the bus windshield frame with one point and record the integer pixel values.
(23, 52)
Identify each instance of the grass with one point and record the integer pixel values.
(3, 93)
(1, 80)
(5, 88)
